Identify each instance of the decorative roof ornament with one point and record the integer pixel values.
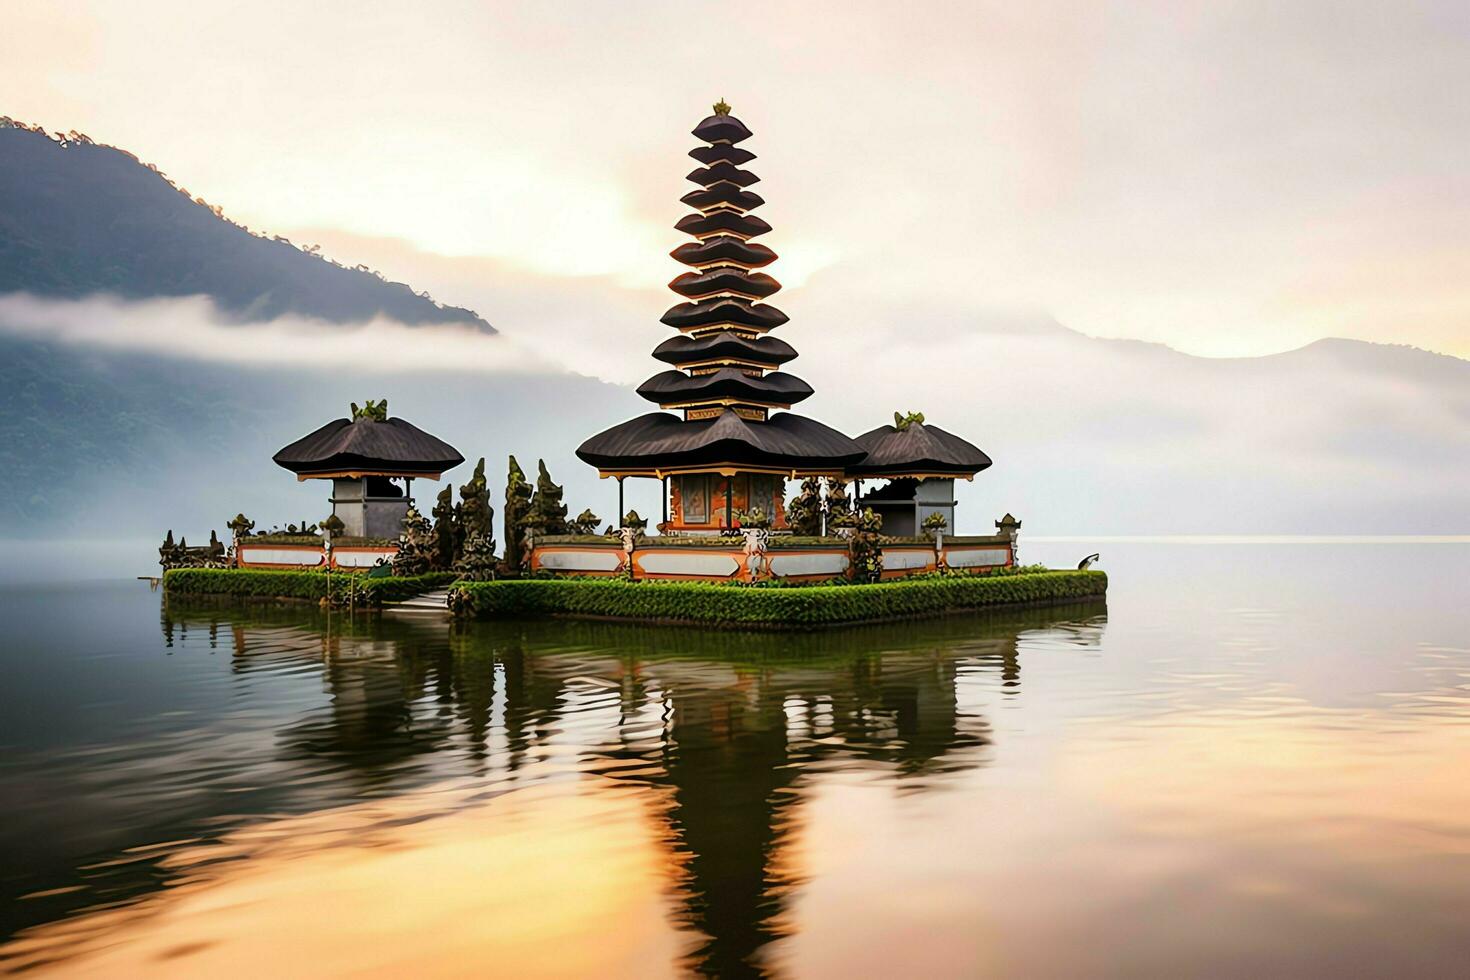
(902, 422)
(377, 411)
(722, 108)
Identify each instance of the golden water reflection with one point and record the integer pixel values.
(1005, 795)
(564, 799)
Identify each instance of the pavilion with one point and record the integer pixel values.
(733, 444)
(920, 463)
(363, 456)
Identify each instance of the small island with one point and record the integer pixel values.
(730, 548)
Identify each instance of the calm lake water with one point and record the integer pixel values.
(1254, 760)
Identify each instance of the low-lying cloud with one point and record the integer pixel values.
(193, 328)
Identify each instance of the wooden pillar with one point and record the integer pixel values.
(665, 484)
(618, 521)
(729, 503)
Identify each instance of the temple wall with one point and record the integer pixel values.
(306, 556)
(657, 559)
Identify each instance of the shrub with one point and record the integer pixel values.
(813, 606)
(415, 554)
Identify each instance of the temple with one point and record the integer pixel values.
(733, 443)
(723, 442)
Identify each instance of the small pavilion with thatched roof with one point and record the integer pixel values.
(920, 463)
(363, 457)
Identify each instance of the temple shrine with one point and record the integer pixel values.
(722, 443)
(733, 443)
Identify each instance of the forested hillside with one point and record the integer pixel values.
(77, 217)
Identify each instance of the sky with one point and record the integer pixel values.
(1231, 179)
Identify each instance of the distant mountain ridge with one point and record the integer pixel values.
(78, 217)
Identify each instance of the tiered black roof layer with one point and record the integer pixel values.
(659, 440)
(723, 327)
(722, 153)
(724, 279)
(724, 248)
(722, 222)
(721, 128)
(723, 195)
(738, 312)
(726, 172)
(764, 350)
(676, 387)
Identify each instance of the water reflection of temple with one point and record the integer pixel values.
(723, 735)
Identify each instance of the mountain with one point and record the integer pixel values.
(77, 218)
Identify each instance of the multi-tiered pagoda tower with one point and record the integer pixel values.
(732, 447)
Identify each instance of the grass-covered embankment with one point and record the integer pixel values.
(805, 607)
(255, 583)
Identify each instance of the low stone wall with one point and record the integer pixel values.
(671, 558)
(281, 557)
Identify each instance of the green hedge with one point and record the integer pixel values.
(698, 602)
(271, 584)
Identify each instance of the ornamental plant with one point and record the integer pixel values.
(375, 410)
(584, 523)
(476, 515)
(754, 518)
(240, 526)
(838, 503)
(415, 545)
(804, 512)
(864, 547)
(448, 532)
(477, 561)
(517, 509)
(548, 515)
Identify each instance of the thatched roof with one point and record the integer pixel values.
(917, 450)
(659, 440)
(366, 447)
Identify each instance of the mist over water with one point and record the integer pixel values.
(1086, 434)
(1249, 761)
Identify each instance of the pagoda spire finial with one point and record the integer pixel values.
(722, 108)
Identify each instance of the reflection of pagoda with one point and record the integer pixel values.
(722, 734)
(727, 452)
